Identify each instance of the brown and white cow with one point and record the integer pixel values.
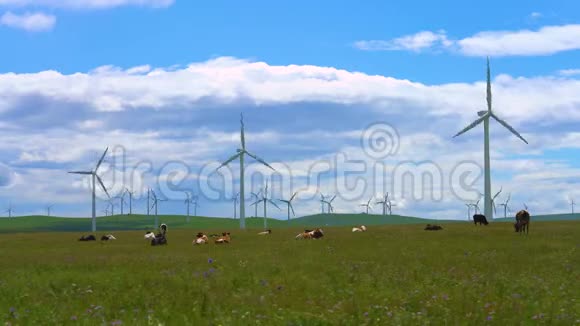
(200, 239)
(225, 238)
(311, 234)
(360, 228)
(265, 232)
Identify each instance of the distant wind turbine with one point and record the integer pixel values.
(484, 116)
(130, 200)
(493, 200)
(112, 204)
(187, 201)
(9, 210)
(122, 201)
(240, 154)
(289, 204)
(468, 211)
(330, 208)
(95, 177)
(572, 204)
(156, 205)
(236, 199)
(48, 207)
(323, 202)
(256, 196)
(367, 205)
(505, 205)
(265, 201)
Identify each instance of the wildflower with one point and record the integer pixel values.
(489, 317)
(73, 318)
(209, 260)
(12, 310)
(366, 314)
(116, 323)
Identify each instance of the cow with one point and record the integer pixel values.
(149, 235)
(265, 232)
(522, 223)
(200, 239)
(311, 234)
(160, 238)
(361, 228)
(430, 227)
(88, 238)
(225, 238)
(478, 218)
(108, 237)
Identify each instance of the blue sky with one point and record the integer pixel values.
(168, 79)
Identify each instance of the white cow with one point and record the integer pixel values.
(361, 228)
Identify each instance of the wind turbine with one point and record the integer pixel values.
(468, 210)
(130, 200)
(187, 202)
(106, 210)
(289, 204)
(257, 197)
(95, 177)
(155, 204)
(9, 210)
(385, 203)
(505, 206)
(195, 198)
(148, 200)
(329, 203)
(112, 204)
(323, 202)
(367, 205)
(236, 199)
(48, 207)
(484, 116)
(572, 204)
(266, 200)
(493, 199)
(240, 154)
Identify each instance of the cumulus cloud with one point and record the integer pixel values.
(297, 117)
(32, 22)
(545, 41)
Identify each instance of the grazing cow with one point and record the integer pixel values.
(361, 228)
(311, 234)
(149, 235)
(200, 239)
(225, 238)
(88, 238)
(478, 218)
(522, 221)
(108, 237)
(430, 227)
(265, 232)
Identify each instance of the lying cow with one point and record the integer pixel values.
(311, 234)
(108, 237)
(361, 228)
(225, 238)
(88, 238)
(430, 227)
(522, 221)
(149, 235)
(160, 238)
(200, 239)
(478, 218)
(265, 232)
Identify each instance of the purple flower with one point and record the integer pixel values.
(73, 318)
(209, 260)
(366, 314)
(12, 310)
(211, 270)
(116, 323)
(489, 317)
(205, 274)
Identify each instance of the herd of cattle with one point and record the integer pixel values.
(521, 225)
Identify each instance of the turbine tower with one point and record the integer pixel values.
(130, 200)
(323, 202)
(240, 154)
(9, 210)
(289, 204)
(187, 201)
(236, 199)
(484, 116)
(95, 177)
(330, 209)
(468, 211)
(367, 205)
(155, 204)
(385, 203)
(121, 199)
(572, 204)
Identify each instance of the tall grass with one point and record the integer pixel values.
(400, 275)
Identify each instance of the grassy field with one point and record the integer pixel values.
(390, 275)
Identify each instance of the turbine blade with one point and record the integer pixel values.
(81, 172)
(472, 125)
(292, 208)
(259, 160)
(229, 160)
(332, 199)
(101, 160)
(497, 194)
(294, 195)
(273, 203)
(508, 127)
(488, 87)
(242, 137)
(103, 185)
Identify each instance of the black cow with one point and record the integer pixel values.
(522, 221)
(160, 238)
(478, 218)
(430, 227)
(88, 238)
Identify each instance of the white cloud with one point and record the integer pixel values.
(416, 42)
(569, 72)
(86, 4)
(544, 41)
(32, 22)
(535, 15)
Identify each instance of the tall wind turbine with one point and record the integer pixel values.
(289, 204)
(493, 199)
(112, 204)
(266, 200)
(156, 204)
(505, 205)
(95, 177)
(572, 204)
(367, 205)
(385, 203)
(468, 211)
(484, 116)
(240, 154)
(48, 207)
(122, 200)
(257, 197)
(323, 202)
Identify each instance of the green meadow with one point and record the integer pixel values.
(394, 274)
